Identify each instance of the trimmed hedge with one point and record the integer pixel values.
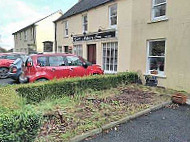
(56, 89)
(19, 126)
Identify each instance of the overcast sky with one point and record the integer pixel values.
(16, 14)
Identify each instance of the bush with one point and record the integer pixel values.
(56, 89)
(19, 126)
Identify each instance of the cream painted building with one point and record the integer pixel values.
(38, 36)
(150, 36)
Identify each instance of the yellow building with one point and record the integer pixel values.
(150, 36)
(38, 36)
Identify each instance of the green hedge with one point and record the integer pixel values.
(56, 89)
(19, 126)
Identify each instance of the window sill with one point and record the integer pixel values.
(158, 20)
(113, 27)
(66, 36)
(158, 75)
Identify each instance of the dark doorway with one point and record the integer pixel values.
(66, 49)
(92, 53)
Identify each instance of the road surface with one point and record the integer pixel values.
(165, 125)
(6, 81)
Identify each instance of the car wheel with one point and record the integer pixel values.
(4, 73)
(41, 80)
(94, 74)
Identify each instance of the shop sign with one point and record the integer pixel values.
(95, 36)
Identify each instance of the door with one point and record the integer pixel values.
(74, 64)
(92, 53)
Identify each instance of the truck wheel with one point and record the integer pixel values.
(4, 73)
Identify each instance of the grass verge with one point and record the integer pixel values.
(74, 115)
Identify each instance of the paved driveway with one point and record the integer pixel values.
(6, 81)
(165, 125)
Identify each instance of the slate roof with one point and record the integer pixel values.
(36, 22)
(83, 6)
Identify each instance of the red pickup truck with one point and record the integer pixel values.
(6, 59)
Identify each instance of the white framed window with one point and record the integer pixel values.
(85, 23)
(159, 9)
(25, 35)
(66, 29)
(110, 57)
(156, 57)
(77, 50)
(113, 15)
(48, 46)
(32, 33)
(60, 49)
(20, 35)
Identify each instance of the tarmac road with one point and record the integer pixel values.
(6, 81)
(165, 125)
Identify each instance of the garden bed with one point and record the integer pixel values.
(74, 115)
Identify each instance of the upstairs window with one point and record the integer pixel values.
(20, 35)
(113, 15)
(66, 29)
(159, 9)
(32, 33)
(25, 35)
(48, 46)
(156, 57)
(85, 23)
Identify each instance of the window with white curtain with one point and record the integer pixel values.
(110, 57)
(77, 50)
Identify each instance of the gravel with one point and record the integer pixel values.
(164, 125)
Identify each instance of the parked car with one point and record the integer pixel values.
(6, 59)
(44, 67)
(15, 69)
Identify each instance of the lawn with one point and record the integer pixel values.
(74, 115)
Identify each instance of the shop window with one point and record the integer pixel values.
(113, 15)
(77, 50)
(48, 46)
(156, 57)
(85, 23)
(110, 57)
(159, 9)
